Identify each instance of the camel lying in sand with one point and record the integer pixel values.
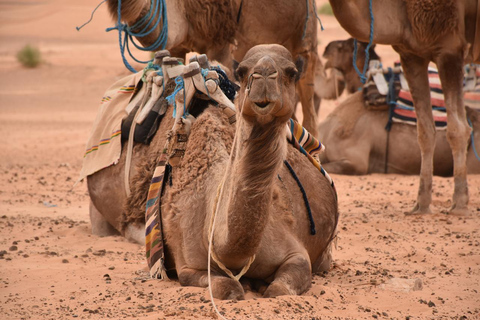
(214, 27)
(239, 170)
(446, 32)
(356, 143)
(356, 138)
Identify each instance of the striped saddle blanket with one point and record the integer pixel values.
(404, 111)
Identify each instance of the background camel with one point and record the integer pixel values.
(215, 27)
(339, 55)
(356, 143)
(246, 179)
(442, 31)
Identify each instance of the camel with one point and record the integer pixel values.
(422, 31)
(234, 181)
(213, 27)
(339, 55)
(356, 143)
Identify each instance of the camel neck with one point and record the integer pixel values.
(246, 199)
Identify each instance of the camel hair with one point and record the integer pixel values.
(238, 169)
(442, 31)
(226, 29)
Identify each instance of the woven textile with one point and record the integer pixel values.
(154, 246)
(308, 143)
(104, 145)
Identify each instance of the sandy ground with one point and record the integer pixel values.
(51, 267)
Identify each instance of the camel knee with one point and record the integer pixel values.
(100, 226)
(135, 233)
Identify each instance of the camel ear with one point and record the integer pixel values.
(299, 63)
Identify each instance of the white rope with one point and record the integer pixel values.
(213, 219)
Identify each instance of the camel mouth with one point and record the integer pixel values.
(263, 104)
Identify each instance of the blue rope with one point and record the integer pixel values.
(473, 141)
(91, 17)
(308, 16)
(171, 98)
(156, 6)
(305, 199)
(362, 76)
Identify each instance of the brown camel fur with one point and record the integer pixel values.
(213, 27)
(356, 143)
(240, 171)
(339, 55)
(421, 31)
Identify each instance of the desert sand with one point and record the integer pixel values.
(51, 267)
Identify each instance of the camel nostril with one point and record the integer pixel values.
(262, 104)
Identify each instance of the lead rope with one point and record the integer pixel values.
(211, 253)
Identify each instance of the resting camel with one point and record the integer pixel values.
(213, 27)
(442, 31)
(239, 170)
(356, 143)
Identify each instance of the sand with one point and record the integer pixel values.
(51, 267)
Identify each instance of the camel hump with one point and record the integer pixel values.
(431, 19)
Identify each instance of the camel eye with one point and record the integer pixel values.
(240, 73)
(291, 72)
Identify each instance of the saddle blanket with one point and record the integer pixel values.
(404, 111)
(104, 145)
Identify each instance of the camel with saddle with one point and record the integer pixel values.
(239, 196)
(362, 137)
(226, 30)
(446, 32)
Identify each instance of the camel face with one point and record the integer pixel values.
(267, 75)
(337, 53)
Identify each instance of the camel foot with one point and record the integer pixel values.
(418, 211)
(324, 262)
(276, 289)
(224, 288)
(459, 211)
(100, 226)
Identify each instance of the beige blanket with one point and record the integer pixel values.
(104, 146)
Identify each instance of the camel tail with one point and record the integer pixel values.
(431, 19)
(130, 10)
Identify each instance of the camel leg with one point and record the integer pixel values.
(306, 91)
(417, 77)
(223, 287)
(100, 226)
(293, 277)
(450, 68)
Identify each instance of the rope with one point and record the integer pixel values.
(91, 17)
(362, 76)
(308, 16)
(473, 141)
(180, 85)
(305, 198)
(156, 6)
(229, 88)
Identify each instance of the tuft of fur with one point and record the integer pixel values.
(431, 19)
(212, 20)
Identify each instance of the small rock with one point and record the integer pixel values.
(13, 248)
(64, 261)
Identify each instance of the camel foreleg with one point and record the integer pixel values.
(293, 277)
(223, 287)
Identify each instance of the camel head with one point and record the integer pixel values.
(339, 54)
(267, 76)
